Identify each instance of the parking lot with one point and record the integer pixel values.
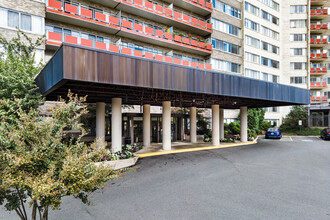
(294, 139)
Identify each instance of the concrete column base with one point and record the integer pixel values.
(166, 125)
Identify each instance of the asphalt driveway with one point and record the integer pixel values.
(274, 179)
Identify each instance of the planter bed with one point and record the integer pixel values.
(119, 164)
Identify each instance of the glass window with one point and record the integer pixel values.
(225, 8)
(252, 9)
(225, 46)
(225, 66)
(252, 41)
(26, 22)
(298, 9)
(13, 19)
(225, 27)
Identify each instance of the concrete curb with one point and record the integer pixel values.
(159, 153)
(119, 164)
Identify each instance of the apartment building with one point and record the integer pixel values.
(252, 39)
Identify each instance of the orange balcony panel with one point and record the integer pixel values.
(318, 84)
(185, 40)
(325, 11)
(186, 17)
(324, 97)
(193, 64)
(54, 36)
(114, 20)
(324, 69)
(168, 59)
(324, 55)
(71, 8)
(312, 26)
(159, 33)
(312, 12)
(193, 43)
(159, 8)
(149, 30)
(318, 11)
(312, 41)
(194, 20)
(177, 61)
(85, 12)
(138, 2)
(138, 53)
(114, 48)
(318, 26)
(194, 1)
(201, 65)
(209, 26)
(148, 55)
(312, 69)
(312, 84)
(126, 24)
(100, 17)
(126, 51)
(208, 46)
(318, 69)
(324, 40)
(208, 5)
(148, 4)
(201, 23)
(318, 55)
(177, 38)
(185, 62)
(324, 83)
(71, 39)
(318, 40)
(208, 66)
(324, 26)
(313, 55)
(318, 97)
(201, 45)
(168, 12)
(168, 35)
(138, 27)
(101, 46)
(177, 14)
(312, 97)
(202, 2)
(55, 4)
(159, 57)
(86, 42)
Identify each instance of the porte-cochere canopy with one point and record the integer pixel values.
(103, 75)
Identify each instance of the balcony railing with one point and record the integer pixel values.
(319, 56)
(111, 21)
(319, 85)
(56, 39)
(318, 71)
(319, 27)
(319, 40)
(201, 3)
(319, 99)
(319, 12)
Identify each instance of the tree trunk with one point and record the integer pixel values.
(45, 214)
(34, 210)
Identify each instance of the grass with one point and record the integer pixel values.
(303, 132)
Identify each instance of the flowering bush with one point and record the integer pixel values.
(126, 152)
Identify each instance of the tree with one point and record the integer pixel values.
(40, 162)
(256, 118)
(291, 121)
(17, 71)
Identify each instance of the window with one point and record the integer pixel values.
(269, 62)
(26, 22)
(252, 57)
(298, 80)
(298, 66)
(225, 46)
(269, 47)
(13, 19)
(225, 65)
(252, 73)
(252, 41)
(269, 77)
(271, 4)
(294, 9)
(269, 17)
(225, 8)
(301, 23)
(297, 37)
(269, 32)
(298, 51)
(225, 27)
(252, 9)
(252, 25)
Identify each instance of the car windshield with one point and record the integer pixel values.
(273, 129)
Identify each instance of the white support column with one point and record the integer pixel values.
(166, 125)
(146, 125)
(193, 125)
(131, 129)
(215, 125)
(100, 123)
(116, 124)
(244, 123)
(222, 124)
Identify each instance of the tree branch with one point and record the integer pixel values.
(22, 202)
(19, 213)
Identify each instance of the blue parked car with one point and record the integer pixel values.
(273, 133)
(325, 134)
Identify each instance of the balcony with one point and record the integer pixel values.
(319, 99)
(319, 85)
(318, 2)
(318, 28)
(201, 7)
(318, 41)
(318, 56)
(54, 40)
(318, 71)
(95, 20)
(166, 15)
(319, 13)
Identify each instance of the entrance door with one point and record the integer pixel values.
(156, 135)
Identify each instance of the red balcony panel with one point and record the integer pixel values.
(138, 27)
(312, 41)
(159, 57)
(324, 69)
(126, 24)
(148, 4)
(201, 45)
(312, 55)
(54, 36)
(324, 83)
(168, 35)
(324, 55)
(186, 17)
(318, 69)
(312, 84)
(101, 46)
(318, 40)
(185, 62)
(114, 20)
(149, 30)
(114, 48)
(71, 39)
(168, 11)
(177, 14)
(208, 66)
(168, 59)
(209, 26)
(193, 64)
(202, 2)
(85, 12)
(208, 46)
(312, 97)
(100, 17)
(149, 55)
(185, 40)
(208, 5)
(55, 4)
(312, 26)
(193, 43)
(324, 26)
(86, 42)
(318, 11)
(177, 38)
(318, 97)
(194, 20)
(159, 8)
(138, 53)
(71, 8)
(324, 40)
(159, 33)
(201, 65)
(138, 2)
(325, 11)
(177, 61)
(324, 97)
(201, 23)
(126, 51)
(318, 26)
(318, 55)
(312, 12)
(312, 69)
